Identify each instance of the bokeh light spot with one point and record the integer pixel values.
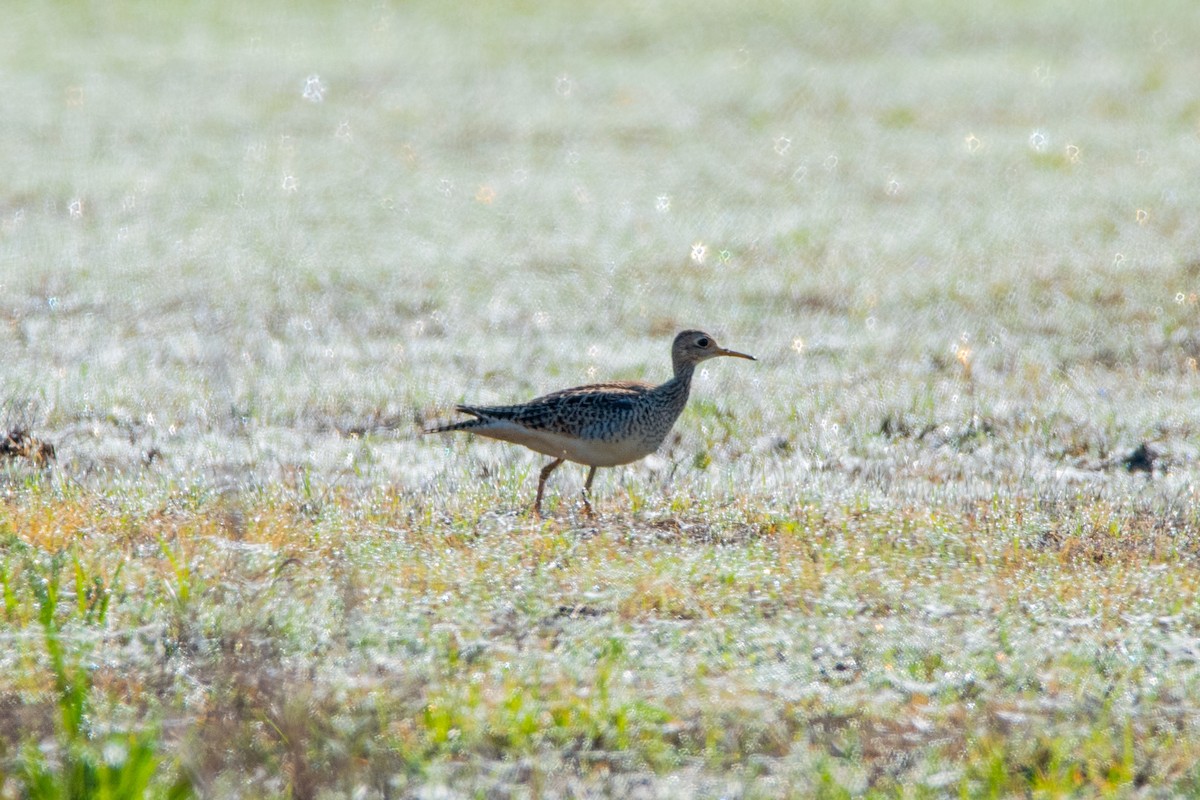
(314, 90)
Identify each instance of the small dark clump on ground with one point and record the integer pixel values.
(1141, 460)
(19, 443)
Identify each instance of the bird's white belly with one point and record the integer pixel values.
(591, 452)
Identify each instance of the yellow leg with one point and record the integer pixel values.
(587, 490)
(546, 470)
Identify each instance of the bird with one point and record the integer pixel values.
(598, 425)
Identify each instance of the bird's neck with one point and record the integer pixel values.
(683, 372)
(678, 387)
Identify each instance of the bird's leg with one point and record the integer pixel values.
(546, 470)
(587, 490)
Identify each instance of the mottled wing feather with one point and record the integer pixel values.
(583, 411)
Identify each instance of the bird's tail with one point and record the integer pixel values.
(465, 425)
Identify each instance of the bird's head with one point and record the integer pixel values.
(692, 347)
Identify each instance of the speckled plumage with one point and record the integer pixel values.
(602, 424)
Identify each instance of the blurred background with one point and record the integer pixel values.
(239, 242)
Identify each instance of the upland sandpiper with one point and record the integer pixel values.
(601, 425)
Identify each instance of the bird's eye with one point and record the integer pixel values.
(703, 342)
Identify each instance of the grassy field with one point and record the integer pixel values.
(943, 538)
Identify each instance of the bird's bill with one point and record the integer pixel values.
(721, 351)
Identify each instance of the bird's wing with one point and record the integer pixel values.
(568, 411)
